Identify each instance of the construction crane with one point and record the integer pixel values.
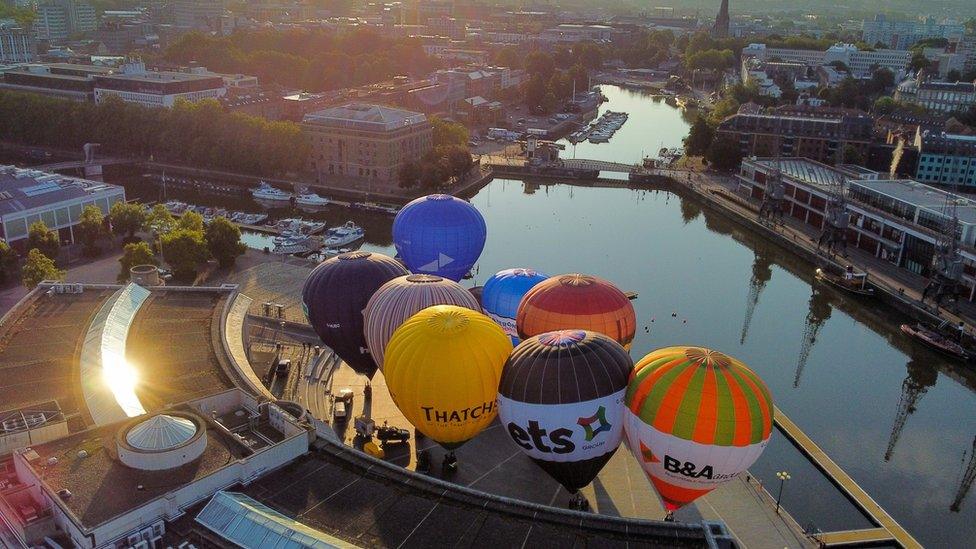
(817, 315)
(920, 377)
(968, 475)
(947, 260)
(836, 220)
(771, 208)
(762, 272)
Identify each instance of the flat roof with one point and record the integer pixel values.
(805, 171)
(365, 117)
(102, 487)
(924, 196)
(26, 189)
(30, 417)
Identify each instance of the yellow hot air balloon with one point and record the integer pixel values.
(442, 368)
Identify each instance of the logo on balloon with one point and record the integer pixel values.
(432, 414)
(600, 417)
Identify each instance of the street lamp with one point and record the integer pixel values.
(783, 476)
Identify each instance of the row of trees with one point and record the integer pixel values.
(548, 85)
(439, 168)
(311, 59)
(200, 134)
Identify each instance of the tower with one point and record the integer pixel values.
(721, 27)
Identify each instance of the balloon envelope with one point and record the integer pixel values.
(561, 401)
(401, 298)
(442, 368)
(577, 301)
(502, 294)
(439, 234)
(695, 419)
(334, 296)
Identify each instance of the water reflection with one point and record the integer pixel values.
(817, 315)
(968, 475)
(122, 378)
(921, 376)
(762, 272)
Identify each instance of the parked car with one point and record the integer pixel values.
(392, 435)
(340, 413)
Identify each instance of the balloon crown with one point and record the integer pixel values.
(439, 197)
(423, 278)
(353, 256)
(448, 320)
(708, 357)
(576, 280)
(524, 272)
(562, 338)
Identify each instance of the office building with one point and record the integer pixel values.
(134, 84)
(16, 45)
(572, 33)
(901, 35)
(28, 196)
(860, 63)
(939, 97)
(365, 142)
(198, 14)
(56, 20)
(946, 159)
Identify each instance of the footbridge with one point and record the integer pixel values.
(600, 165)
(84, 164)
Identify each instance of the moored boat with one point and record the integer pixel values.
(856, 284)
(267, 192)
(936, 341)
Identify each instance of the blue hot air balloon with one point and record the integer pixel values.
(502, 294)
(439, 235)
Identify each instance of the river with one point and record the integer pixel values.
(714, 276)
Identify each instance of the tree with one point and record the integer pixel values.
(409, 174)
(8, 261)
(919, 61)
(39, 267)
(135, 253)
(458, 161)
(446, 132)
(724, 154)
(699, 137)
(191, 221)
(159, 220)
(45, 240)
(884, 105)
(882, 80)
(224, 241)
(953, 76)
(90, 228)
(126, 218)
(852, 156)
(184, 250)
(540, 64)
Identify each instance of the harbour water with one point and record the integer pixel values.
(732, 291)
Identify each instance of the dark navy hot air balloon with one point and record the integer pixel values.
(502, 294)
(439, 234)
(334, 296)
(561, 401)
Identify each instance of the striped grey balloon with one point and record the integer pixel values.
(403, 297)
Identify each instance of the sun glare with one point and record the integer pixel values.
(121, 378)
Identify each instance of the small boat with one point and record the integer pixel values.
(311, 199)
(267, 192)
(936, 341)
(345, 234)
(856, 285)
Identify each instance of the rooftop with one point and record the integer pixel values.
(804, 171)
(924, 196)
(365, 117)
(26, 189)
(102, 487)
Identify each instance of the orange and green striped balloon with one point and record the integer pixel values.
(695, 419)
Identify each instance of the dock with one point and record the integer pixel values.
(888, 530)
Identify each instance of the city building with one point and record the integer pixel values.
(134, 84)
(899, 221)
(16, 45)
(28, 196)
(56, 20)
(812, 135)
(946, 159)
(721, 27)
(61, 80)
(364, 142)
(901, 35)
(940, 97)
(572, 33)
(198, 14)
(861, 63)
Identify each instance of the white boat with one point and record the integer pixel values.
(311, 199)
(346, 234)
(267, 192)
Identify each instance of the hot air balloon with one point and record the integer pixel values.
(439, 234)
(577, 301)
(561, 401)
(401, 298)
(502, 294)
(334, 296)
(695, 419)
(442, 368)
